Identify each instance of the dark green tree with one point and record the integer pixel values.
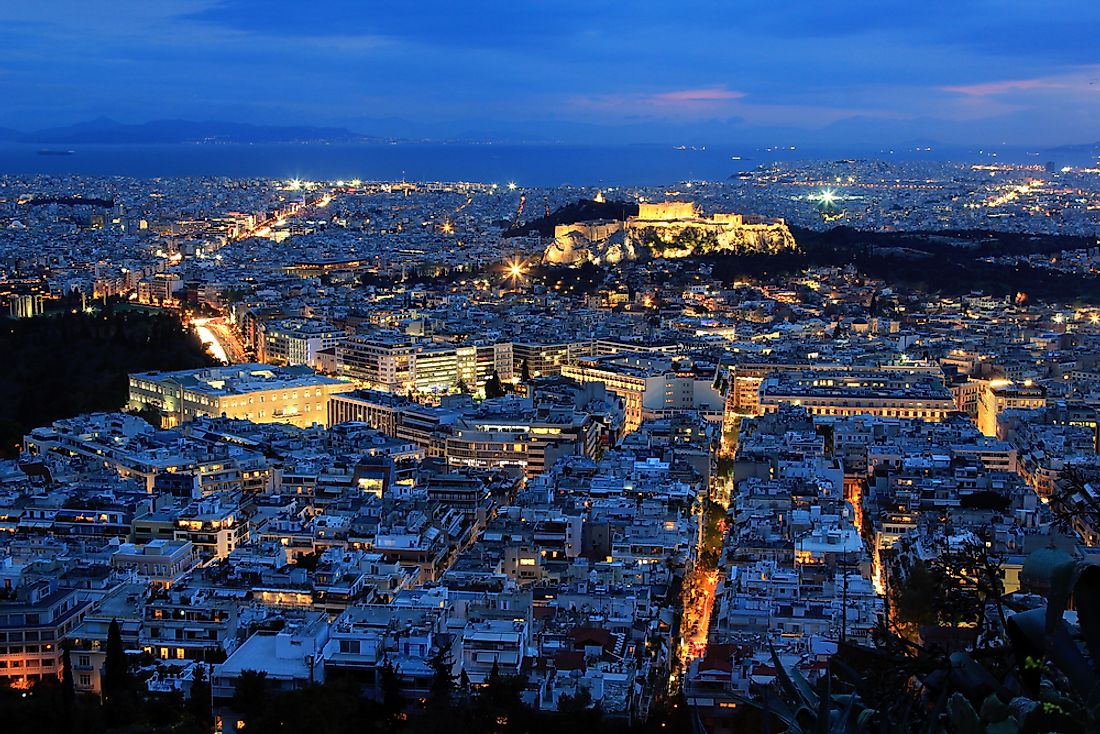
(499, 701)
(493, 386)
(440, 704)
(443, 677)
(915, 598)
(577, 712)
(464, 682)
(119, 695)
(393, 700)
(250, 698)
(149, 414)
(524, 371)
(200, 704)
(68, 688)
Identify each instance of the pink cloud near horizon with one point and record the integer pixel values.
(706, 95)
(686, 100)
(989, 89)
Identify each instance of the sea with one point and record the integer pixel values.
(528, 165)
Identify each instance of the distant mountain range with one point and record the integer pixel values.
(106, 130)
(1090, 148)
(872, 134)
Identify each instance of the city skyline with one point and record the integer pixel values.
(804, 73)
(519, 368)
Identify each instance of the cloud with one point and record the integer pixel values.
(989, 89)
(501, 65)
(689, 97)
(700, 100)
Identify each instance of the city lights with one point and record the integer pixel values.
(661, 375)
(515, 270)
(357, 314)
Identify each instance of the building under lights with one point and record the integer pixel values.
(885, 393)
(33, 621)
(652, 387)
(297, 341)
(400, 364)
(261, 393)
(1001, 395)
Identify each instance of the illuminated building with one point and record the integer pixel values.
(746, 378)
(886, 393)
(423, 425)
(651, 387)
(160, 562)
(33, 621)
(257, 392)
(161, 288)
(670, 228)
(1001, 395)
(296, 341)
(187, 623)
(400, 364)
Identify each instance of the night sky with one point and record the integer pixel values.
(785, 71)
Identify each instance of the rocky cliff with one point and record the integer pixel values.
(635, 239)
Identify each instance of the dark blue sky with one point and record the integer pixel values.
(965, 71)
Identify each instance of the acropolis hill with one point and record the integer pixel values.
(667, 229)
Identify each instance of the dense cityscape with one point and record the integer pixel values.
(497, 454)
(537, 367)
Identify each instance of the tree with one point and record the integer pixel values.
(118, 690)
(393, 700)
(577, 712)
(524, 371)
(199, 704)
(464, 682)
(149, 414)
(1075, 507)
(952, 591)
(493, 386)
(500, 700)
(441, 691)
(250, 697)
(913, 601)
(68, 689)
(443, 677)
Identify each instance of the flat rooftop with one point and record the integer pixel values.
(242, 378)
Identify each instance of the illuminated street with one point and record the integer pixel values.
(219, 338)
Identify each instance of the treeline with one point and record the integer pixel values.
(948, 242)
(62, 365)
(54, 705)
(72, 201)
(451, 706)
(579, 211)
(947, 263)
